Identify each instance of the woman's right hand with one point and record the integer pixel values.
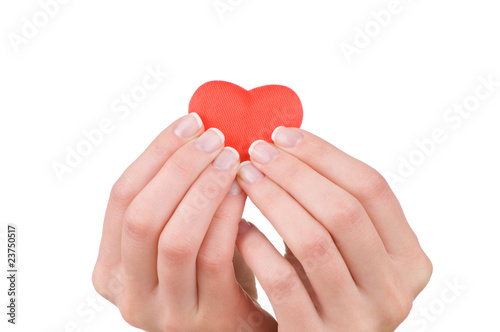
(353, 262)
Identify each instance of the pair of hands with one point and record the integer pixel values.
(168, 258)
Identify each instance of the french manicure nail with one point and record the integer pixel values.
(262, 152)
(286, 137)
(235, 189)
(243, 227)
(249, 173)
(188, 126)
(226, 159)
(210, 141)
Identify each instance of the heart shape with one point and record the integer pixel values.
(246, 116)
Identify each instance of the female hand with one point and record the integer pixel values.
(356, 264)
(166, 255)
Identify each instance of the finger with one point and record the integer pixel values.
(136, 177)
(291, 302)
(148, 213)
(338, 211)
(214, 265)
(360, 180)
(182, 237)
(244, 275)
(309, 240)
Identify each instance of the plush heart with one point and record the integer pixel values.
(246, 116)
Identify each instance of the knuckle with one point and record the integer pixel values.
(424, 272)
(374, 185)
(213, 261)
(123, 190)
(136, 224)
(223, 216)
(396, 312)
(210, 190)
(395, 308)
(345, 214)
(205, 321)
(130, 311)
(176, 250)
(315, 250)
(98, 281)
(427, 268)
(283, 283)
(179, 168)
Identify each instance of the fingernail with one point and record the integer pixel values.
(286, 137)
(249, 173)
(210, 141)
(262, 152)
(243, 227)
(226, 159)
(235, 189)
(188, 126)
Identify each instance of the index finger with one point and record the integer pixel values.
(137, 176)
(357, 178)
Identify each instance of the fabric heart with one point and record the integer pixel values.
(246, 116)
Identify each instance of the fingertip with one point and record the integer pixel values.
(243, 164)
(188, 126)
(219, 133)
(227, 160)
(198, 119)
(252, 146)
(249, 173)
(273, 135)
(244, 227)
(287, 137)
(235, 189)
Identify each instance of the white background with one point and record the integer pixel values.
(65, 78)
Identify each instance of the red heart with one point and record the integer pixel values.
(246, 116)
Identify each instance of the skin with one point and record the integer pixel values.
(166, 254)
(352, 262)
(168, 259)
